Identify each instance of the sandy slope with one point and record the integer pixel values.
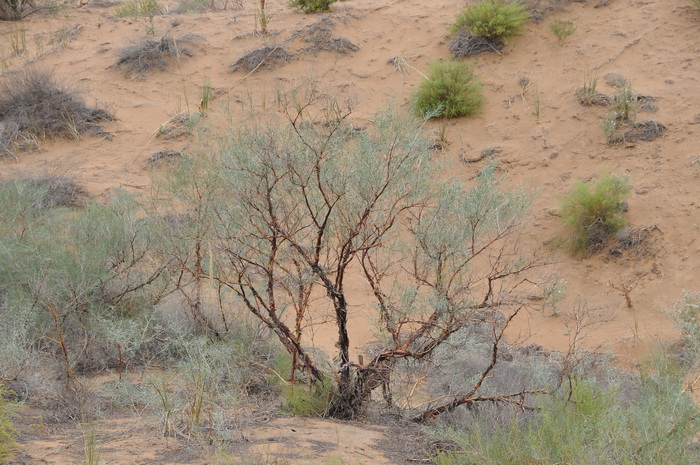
(653, 43)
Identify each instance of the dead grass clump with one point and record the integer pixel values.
(464, 44)
(60, 191)
(15, 10)
(320, 37)
(151, 54)
(635, 243)
(34, 105)
(43, 192)
(541, 9)
(588, 96)
(164, 155)
(266, 57)
(13, 140)
(646, 130)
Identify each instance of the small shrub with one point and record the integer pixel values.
(493, 19)
(451, 90)
(7, 431)
(138, 9)
(562, 28)
(311, 6)
(595, 212)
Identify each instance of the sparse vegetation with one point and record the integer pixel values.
(450, 90)
(588, 94)
(494, 19)
(620, 123)
(562, 28)
(311, 6)
(594, 212)
(35, 106)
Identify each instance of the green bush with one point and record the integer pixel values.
(311, 6)
(493, 19)
(450, 90)
(7, 431)
(595, 212)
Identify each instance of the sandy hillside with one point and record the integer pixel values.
(653, 43)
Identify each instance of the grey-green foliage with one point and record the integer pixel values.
(595, 426)
(83, 268)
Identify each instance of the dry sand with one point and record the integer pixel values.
(653, 43)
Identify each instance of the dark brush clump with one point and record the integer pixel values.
(464, 44)
(34, 105)
(266, 57)
(151, 54)
(320, 37)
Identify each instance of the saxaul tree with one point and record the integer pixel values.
(305, 202)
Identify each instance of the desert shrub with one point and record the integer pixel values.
(137, 9)
(656, 426)
(311, 6)
(493, 19)
(7, 431)
(450, 90)
(151, 54)
(38, 106)
(595, 212)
